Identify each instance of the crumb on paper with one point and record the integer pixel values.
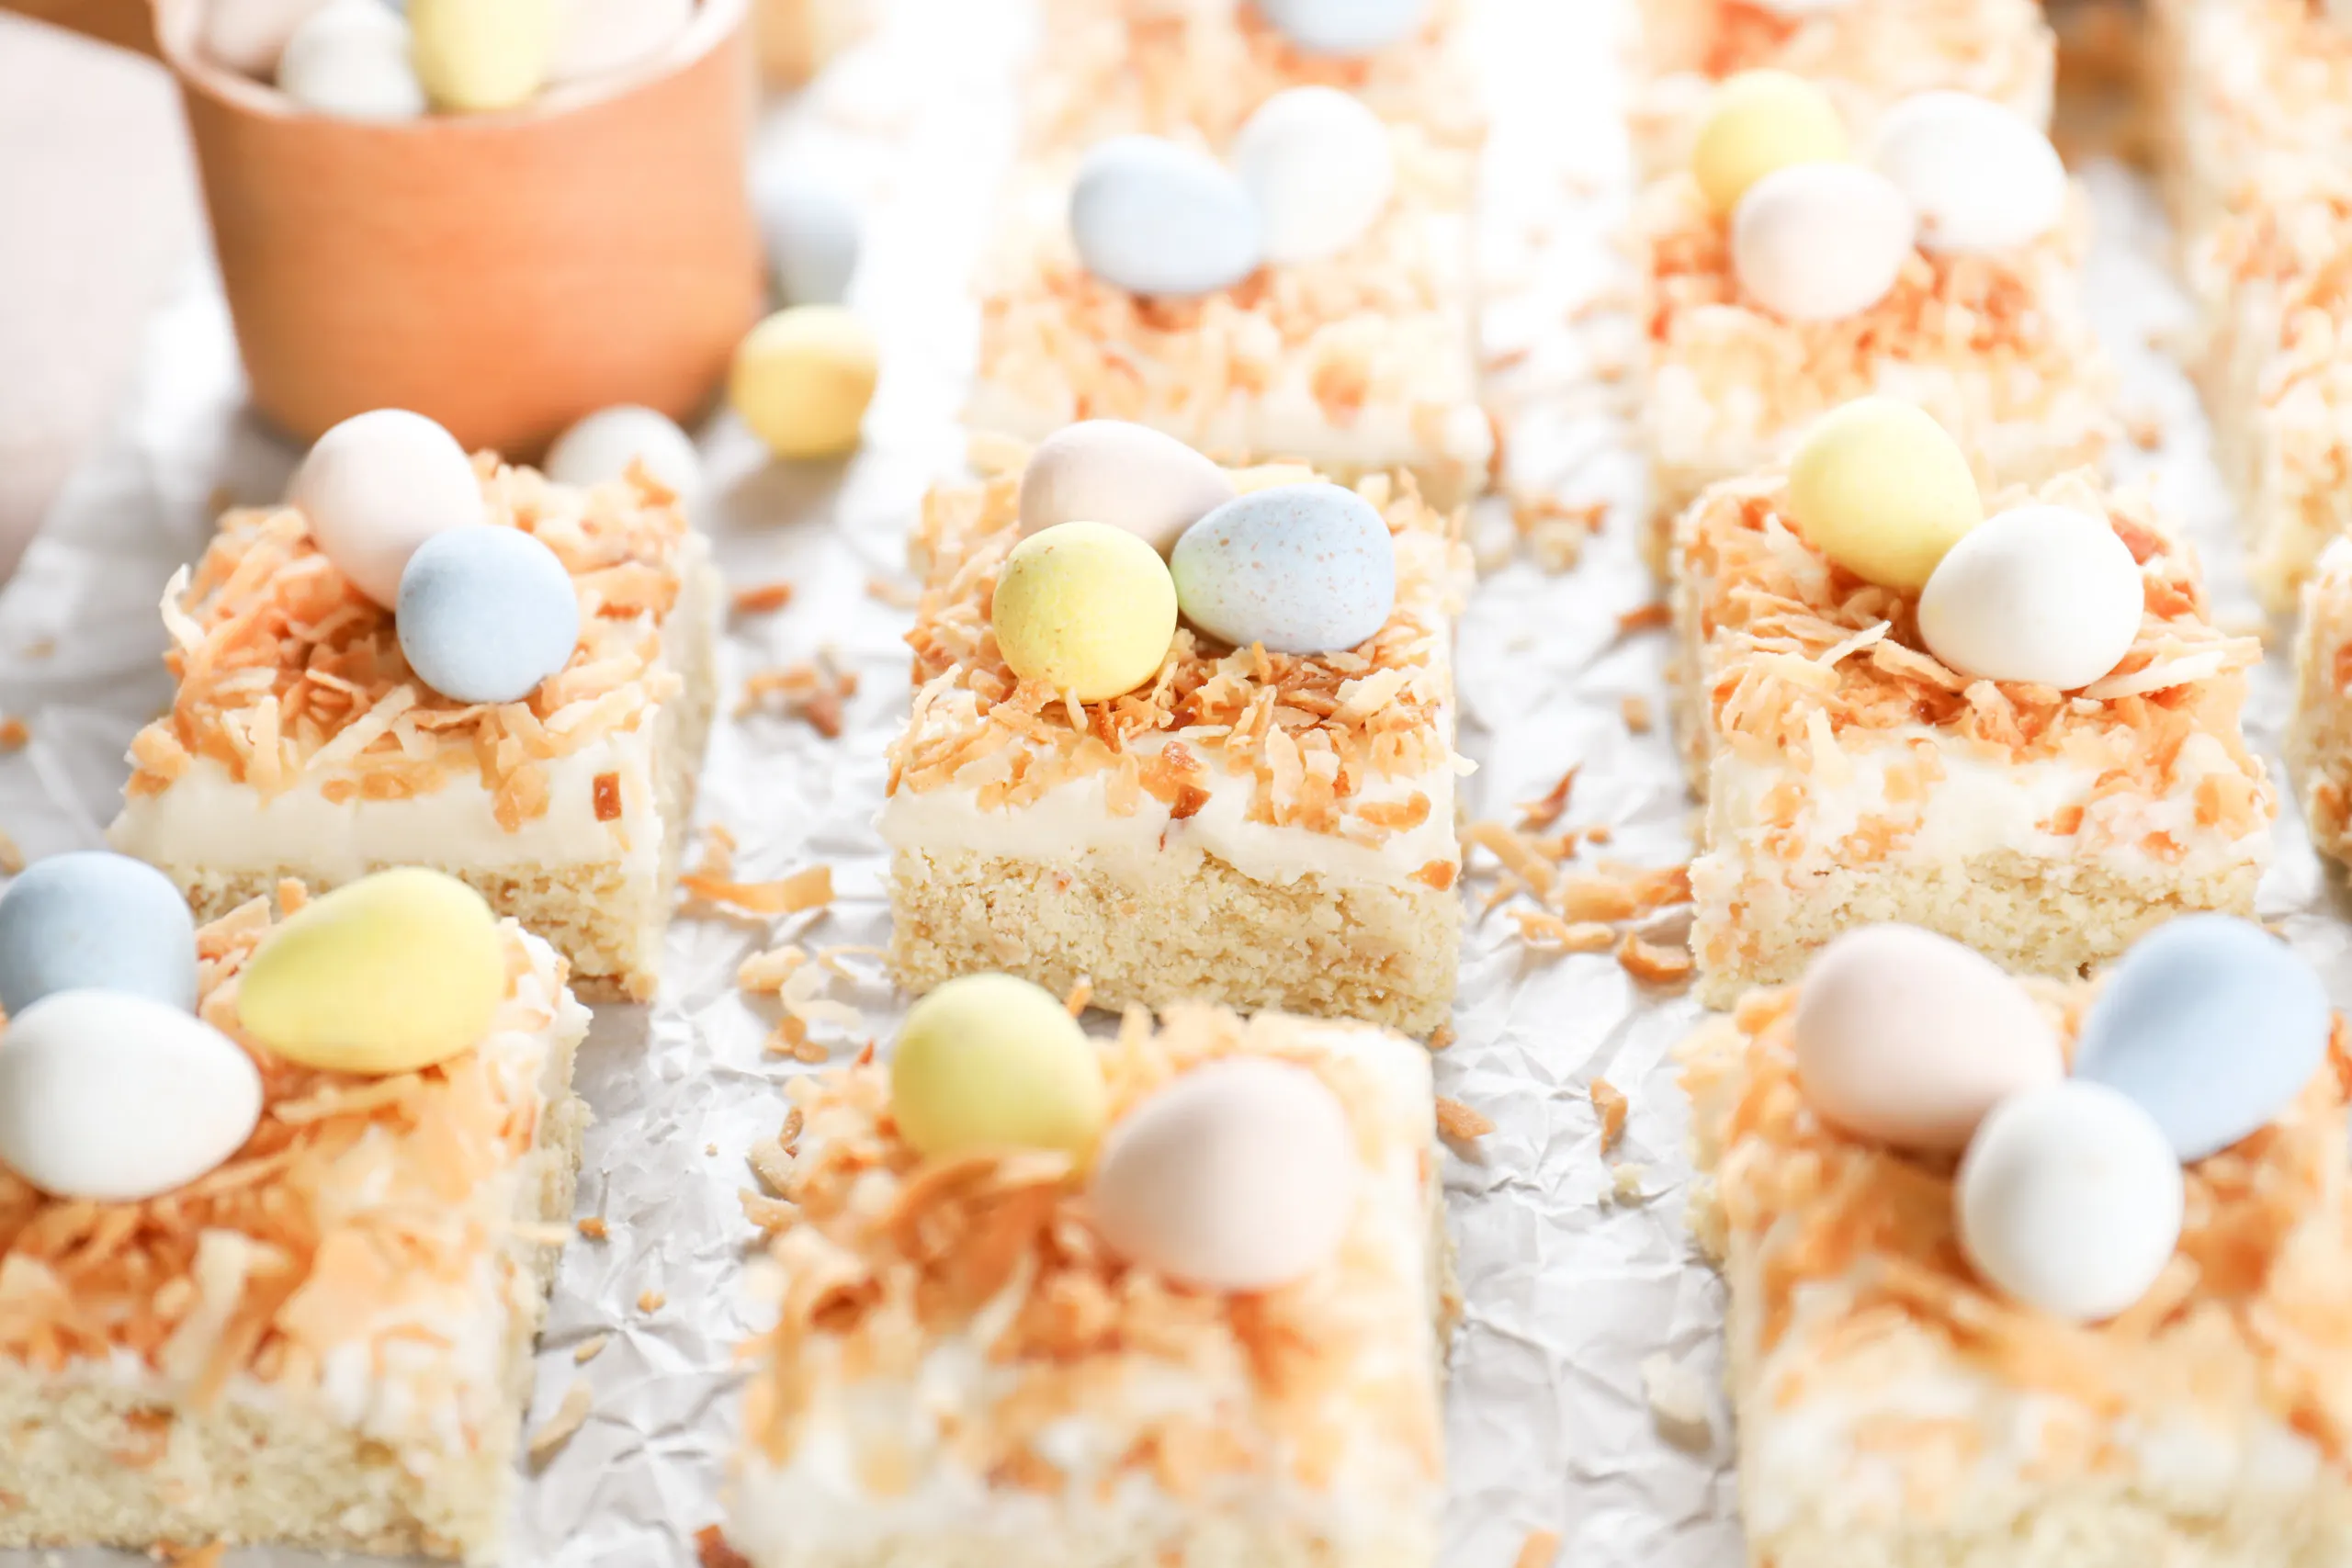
(195, 1556)
(898, 595)
(763, 598)
(765, 972)
(1636, 709)
(1644, 617)
(1538, 815)
(1459, 1123)
(1080, 994)
(1677, 1398)
(815, 689)
(41, 648)
(588, 1350)
(1654, 964)
(12, 858)
(1627, 1180)
(291, 896)
(1538, 1549)
(1611, 1102)
(1440, 1037)
(14, 735)
(594, 1227)
(1555, 531)
(650, 1301)
(809, 888)
(711, 1551)
(569, 1417)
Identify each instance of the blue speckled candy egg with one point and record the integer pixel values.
(1344, 27)
(1300, 568)
(812, 237)
(94, 921)
(486, 613)
(2212, 1024)
(1155, 218)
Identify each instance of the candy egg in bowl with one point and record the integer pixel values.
(503, 271)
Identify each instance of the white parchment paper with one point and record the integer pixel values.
(1582, 1287)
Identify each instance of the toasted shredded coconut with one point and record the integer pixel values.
(711, 1551)
(810, 889)
(813, 690)
(1539, 1549)
(1457, 1121)
(569, 1417)
(1610, 1101)
(763, 598)
(588, 1350)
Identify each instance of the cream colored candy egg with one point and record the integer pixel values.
(116, 1098)
(1758, 121)
(2047, 596)
(390, 974)
(1240, 1176)
(475, 55)
(1130, 475)
(1085, 607)
(1878, 487)
(379, 485)
(1980, 177)
(989, 1061)
(803, 379)
(2070, 1200)
(1909, 1038)
(1820, 241)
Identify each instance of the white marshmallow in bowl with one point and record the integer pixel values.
(1978, 175)
(1820, 241)
(594, 37)
(1318, 163)
(2048, 595)
(351, 59)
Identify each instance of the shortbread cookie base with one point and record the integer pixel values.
(1197, 930)
(266, 1470)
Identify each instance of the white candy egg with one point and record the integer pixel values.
(1909, 1038)
(1318, 163)
(375, 486)
(1130, 475)
(601, 447)
(1240, 1176)
(250, 35)
(1820, 241)
(115, 1097)
(2046, 595)
(2070, 1200)
(593, 37)
(351, 59)
(1979, 177)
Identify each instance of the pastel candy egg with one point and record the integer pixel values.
(375, 486)
(2069, 1199)
(91, 921)
(351, 59)
(2211, 1024)
(1296, 569)
(1878, 487)
(1240, 1176)
(1319, 166)
(486, 613)
(1758, 121)
(1980, 177)
(803, 379)
(1155, 218)
(475, 55)
(1820, 241)
(2046, 595)
(601, 447)
(1344, 27)
(1086, 608)
(390, 974)
(989, 1061)
(1130, 475)
(113, 1098)
(593, 37)
(1909, 1038)
(812, 236)
(251, 35)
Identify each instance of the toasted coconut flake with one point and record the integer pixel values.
(588, 1350)
(1654, 965)
(817, 691)
(711, 1551)
(1611, 1102)
(1538, 1549)
(559, 1427)
(1459, 1123)
(651, 1301)
(811, 888)
(762, 598)
(12, 857)
(594, 1227)
(14, 735)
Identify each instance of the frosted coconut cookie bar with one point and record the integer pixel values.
(2318, 736)
(271, 1270)
(2253, 101)
(2035, 1276)
(1256, 808)
(1209, 1286)
(1866, 54)
(2021, 729)
(523, 704)
(1782, 280)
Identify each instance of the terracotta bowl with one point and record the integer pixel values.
(503, 273)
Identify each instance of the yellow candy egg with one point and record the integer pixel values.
(1878, 487)
(989, 1061)
(473, 55)
(1085, 607)
(803, 378)
(395, 971)
(1760, 121)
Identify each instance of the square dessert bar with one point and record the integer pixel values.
(2253, 101)
(1895, 1412)
(1852, 778)
(1866, 54)
(301, 745)
(1997, 347)
(325, 1342)
(962, 1374)
(2318, 736)
(1264, 831)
